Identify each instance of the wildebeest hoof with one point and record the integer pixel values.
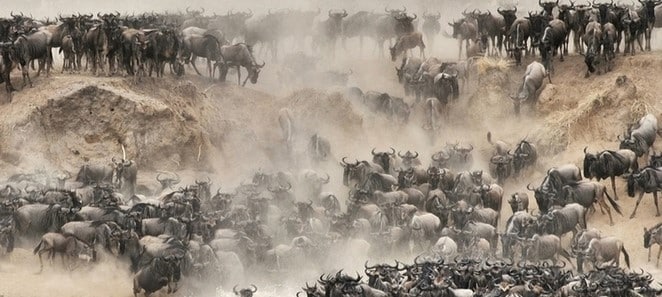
(632, 216)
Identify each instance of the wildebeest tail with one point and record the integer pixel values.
(613, 203)
(36, 249)
(625, 256)
(489, 137)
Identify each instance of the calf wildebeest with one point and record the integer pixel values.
(519, 202)
(609, 164)
(653, 236)
(648, 180)
(491, 196)
(606, 249)
(545, 247)
(240, 55)
(531, 85)
(408, 42)
(69, 54)
(65, 245)
(640, 139)
(431, 27)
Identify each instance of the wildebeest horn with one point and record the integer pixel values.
(329, 13)
(254, 288)
(188, 10)
(343, 161)
(586, 147)
(311, 202)
(416, 156)
(157, 178)
(373, 151)
(328, 178)
(415, 16)
(400, 154)
(234, 289)
(392, 151)
(528, 187)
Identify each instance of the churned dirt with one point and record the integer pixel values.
(227, 132)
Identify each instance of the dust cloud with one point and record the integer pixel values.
(226, 132)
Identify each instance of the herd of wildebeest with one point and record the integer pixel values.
(441, 210)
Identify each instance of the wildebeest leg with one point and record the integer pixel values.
(613, 187)
(193, 58)
(657, 209)
(637, 205)
(459, 54)
(239, 75)
(659, 251)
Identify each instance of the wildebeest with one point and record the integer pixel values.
(647, 15)
(408, 42)
(552, 42)
(593, 40)
(431, 27)
(163, 47)
(464, 30)
(104, 234)
(319, 148)
(519, 34)
(606, 249)
(433, 114)
(31, 47)
(531, 87)
(653, 236)
(406, 75)
(492, 26)
(561, 221)
(545, 247)
(647, 180)
(95, 174)
(632, 29)
(126, 172)
(161, 271)
(640, 139)
(588, 193)
(609, 164)
(519, 202)
(525, 155)
(66, 245)
(387, 160)
(205, 46)
(552, 184)
(329, 30)
(35, 219)
(240, 55)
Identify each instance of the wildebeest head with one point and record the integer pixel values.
(409, 159)
(254, 72)
(649, 235)
(457, 27)
(168, 179)
(245, 292)
(350, 171)
(603, 9)
(383, 159)
(477, 177)
(538, 24)
(516, 201)
(509, 15)
(590, 160)
(204, 188)
(547, 7)
(543, 197)
(463, 151)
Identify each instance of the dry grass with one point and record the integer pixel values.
(487, 64)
